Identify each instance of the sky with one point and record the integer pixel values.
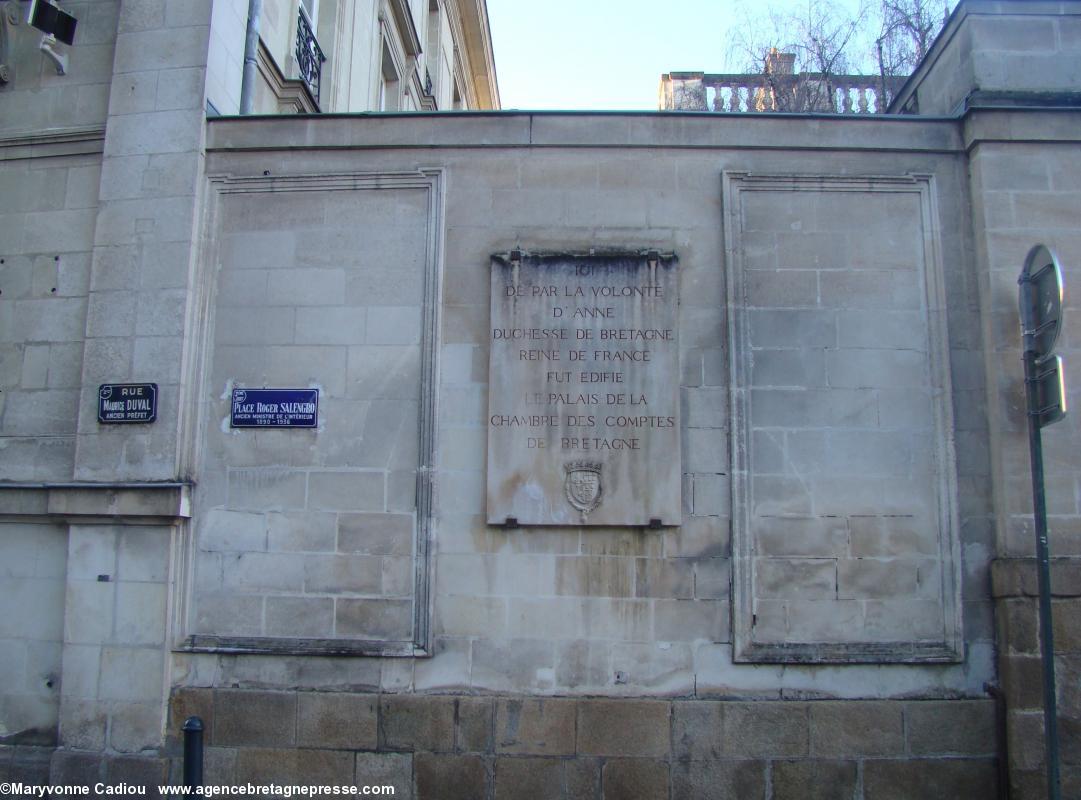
(608, 54)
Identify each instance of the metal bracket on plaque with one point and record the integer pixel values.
(655, 522)
(511, 523)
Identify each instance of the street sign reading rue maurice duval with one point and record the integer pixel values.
(583, 403)
(274, 408)
(127, 403)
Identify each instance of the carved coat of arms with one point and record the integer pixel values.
(582, 486)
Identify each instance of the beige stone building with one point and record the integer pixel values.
(841, 601)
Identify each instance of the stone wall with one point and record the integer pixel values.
(31, 631)
(994, 49)
(1014, 583)
(46, 229)
(639, 612)
(458, 746)
(1023, 193)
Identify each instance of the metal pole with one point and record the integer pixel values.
(193, 752)
(251, 48)
(1043, 572)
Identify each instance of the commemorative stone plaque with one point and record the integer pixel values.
(583, 403)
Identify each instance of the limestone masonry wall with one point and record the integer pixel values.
(845, 606)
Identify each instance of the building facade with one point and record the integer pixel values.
(842, 597)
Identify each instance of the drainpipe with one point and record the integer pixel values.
(251, 46)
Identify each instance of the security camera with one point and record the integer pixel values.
(56, 25)
(53, 22)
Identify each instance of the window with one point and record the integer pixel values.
(389, 92)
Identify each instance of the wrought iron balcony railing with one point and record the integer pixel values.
(309, 55)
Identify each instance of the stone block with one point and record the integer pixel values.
(655, 668)
(810, 328)
(635, 779)
(780, 496)
(386, 769)
(187, 702)
(535, 727)
(583, 778)
(347, 491)
(1022, 681)
(1025, 739)
(76, 769)
(613, 618)
(131, 674)
(26, 765)
(623, 728)
(1066, 624)
(699, 537)
(877, 368)
(306, 532)
(471, 616)
(340, 574)
(963, 779)
(512, 665)
(691, 620)
(475, 725)
(710, 495)
(812, 408)
(697, 730)
(375, 619)
(376, 534)
(594, 576)
(759, 730)
(583, 663)
(254, 719)
(233, 531)
(251, 572)
(671, 578)
(450, 777)
(393, 325)
(813, 780)
(787, 578)
(83, 724)
(140, 613)
(135, 727)
(294, 766)
(788, 368)
(546, 617)
(951, 727)
(337, 721)
(146, 773)
(864, 578)
(801, 536)
(219, 765)
(528, 777)
(718, 780)
(143, 555)
(713, 578)
(313, 287)
(416, 722)
(856, 728)
(763, 289)
(891, 536)
(266, 489)
(226, 614)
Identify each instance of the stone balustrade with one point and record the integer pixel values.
(805, 92)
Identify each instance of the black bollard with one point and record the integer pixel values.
(193, 752)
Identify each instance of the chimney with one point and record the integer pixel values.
(778, 63)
